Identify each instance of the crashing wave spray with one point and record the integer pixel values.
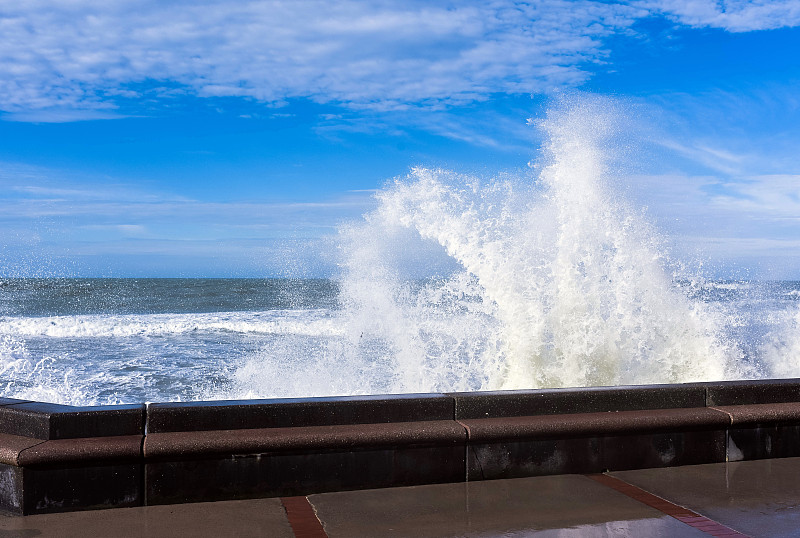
(559, 283)
(452, 283)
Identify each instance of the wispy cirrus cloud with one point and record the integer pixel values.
(716, 159)
(54, 224)
(750, 222)
(750, 132)
(752, 204)
(773, 198)
(32, 198)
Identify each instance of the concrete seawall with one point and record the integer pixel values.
(56, 458)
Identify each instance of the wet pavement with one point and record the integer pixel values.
(753, 498)
(758, 498)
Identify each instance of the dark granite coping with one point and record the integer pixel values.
(589, 424)
(474, 405)
(310, 438)
(297, 412)
(24, 451)
(762, 413)
(758, 391)
(496, 404)
(12, 401)
(52, 421)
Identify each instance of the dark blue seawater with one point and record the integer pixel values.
(36, 297)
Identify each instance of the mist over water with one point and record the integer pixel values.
(546, 278)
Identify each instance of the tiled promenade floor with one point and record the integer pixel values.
(755, 498)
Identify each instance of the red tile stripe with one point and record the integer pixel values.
(302, 518)
(701, 523)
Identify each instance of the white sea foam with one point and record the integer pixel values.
(298, 322)
(99, 360)
(34, 378)
(737, 286)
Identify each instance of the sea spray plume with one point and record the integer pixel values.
(616, 316)
(780, 348)
(430, 335)
(563, 285)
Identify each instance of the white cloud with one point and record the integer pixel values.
(60, 115)
(69, 61)
(58, 58)
(730, 15)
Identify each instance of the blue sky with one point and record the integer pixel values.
(218, 139)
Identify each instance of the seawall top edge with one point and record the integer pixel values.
(63, 408)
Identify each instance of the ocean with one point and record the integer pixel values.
(106, 341)
(101, 341)
(544, 278)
